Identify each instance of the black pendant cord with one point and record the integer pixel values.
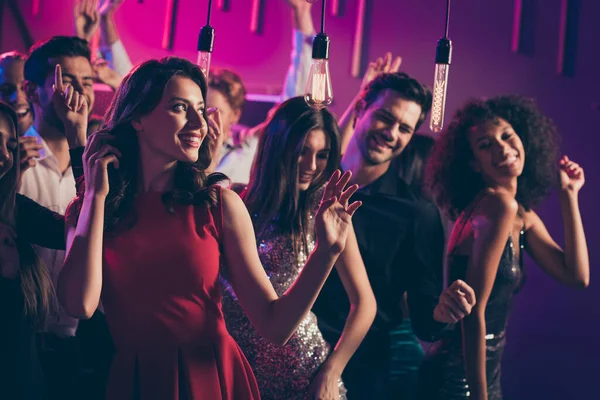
(447, 18)
(323, 16)
(208, 15)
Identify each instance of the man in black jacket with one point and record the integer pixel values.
(400, 236)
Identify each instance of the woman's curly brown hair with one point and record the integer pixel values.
(450, 175)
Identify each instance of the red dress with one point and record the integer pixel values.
(162, 303)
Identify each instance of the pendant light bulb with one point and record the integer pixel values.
(205, 47)
(318, 92)
(443, 58)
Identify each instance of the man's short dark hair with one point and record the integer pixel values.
(409, 88)
(38, 67)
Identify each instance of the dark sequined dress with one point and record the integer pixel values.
(283, 373)
(443, 372)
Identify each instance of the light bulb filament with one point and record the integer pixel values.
(438, 101)
(318, 87)
(204, 62)
(440, 84)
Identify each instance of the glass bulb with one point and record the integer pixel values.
(318, 91)
(204, 62)
(438, 106)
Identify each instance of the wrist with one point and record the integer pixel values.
(107, 17)
(76, 136)
(332, 367)
(112, 82)
(93, 198)
(566, 196)
(328, 253)
(356, 101)
(303, 20)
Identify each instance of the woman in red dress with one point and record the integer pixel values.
(149, 232)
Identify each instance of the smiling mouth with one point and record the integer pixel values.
(507, 162)
(379, 141)
(190, 140)
(22, 112)
(304, 178)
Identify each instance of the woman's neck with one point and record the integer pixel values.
(157, 174)
(509, 186)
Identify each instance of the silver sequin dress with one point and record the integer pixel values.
(282, 373)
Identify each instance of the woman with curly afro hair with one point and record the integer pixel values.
(495, 162)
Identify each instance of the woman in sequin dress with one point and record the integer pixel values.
(297, 152)
(149, 238)
(496, 161)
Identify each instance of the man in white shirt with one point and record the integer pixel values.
(227, 93)
(303, 35)
(51, 184)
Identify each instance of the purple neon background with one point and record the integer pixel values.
(552, 348)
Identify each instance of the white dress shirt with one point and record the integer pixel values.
(49, 187)
(236, 160)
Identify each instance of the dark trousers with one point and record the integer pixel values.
(61, 365)
(97, 352)
(76, 368)
(365, 381)
(385, 366)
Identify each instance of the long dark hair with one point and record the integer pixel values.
(272, 195)
(33, 275)
(139, 94)
(451, 176)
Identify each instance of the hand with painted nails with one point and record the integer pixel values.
(72, 109)
(98, 155)
(334, 217)
(572, 177)
(456, 302)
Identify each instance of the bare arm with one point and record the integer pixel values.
(301, 55)
(346, 123)
(353, 275)
(109, 32)
(492, 224)
(301, 16)
(80, 280)
(111, 46)
(570, 266)
(275, 318)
